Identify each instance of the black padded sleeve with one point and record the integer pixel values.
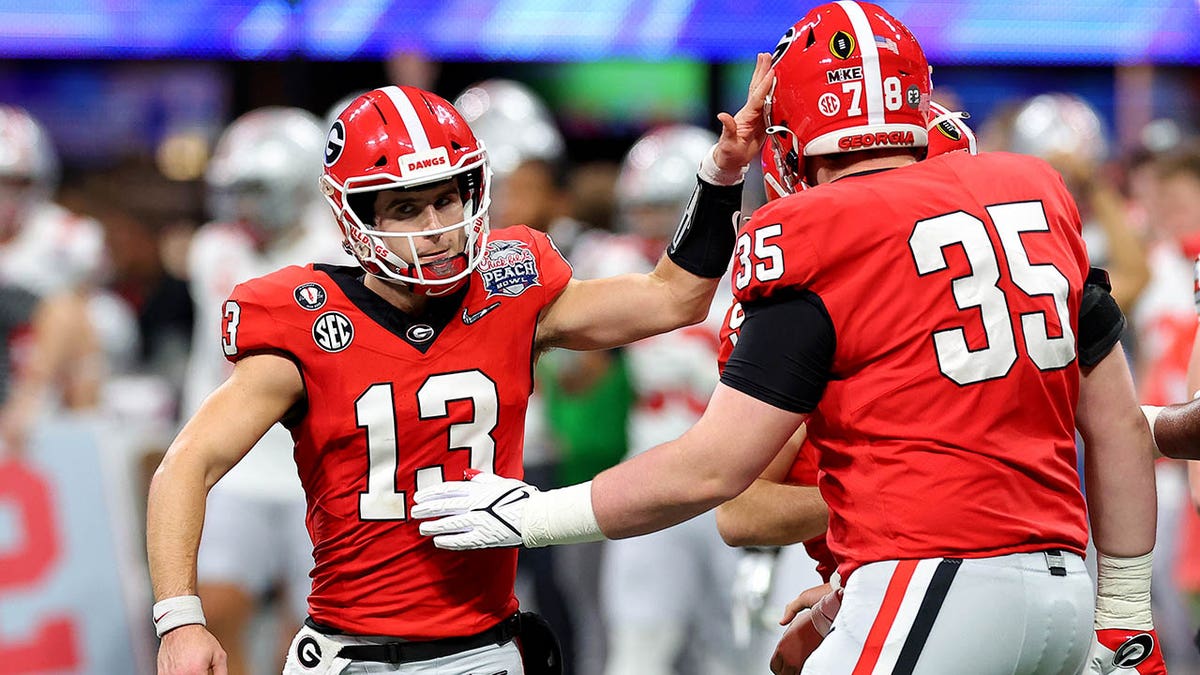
(1101, 321)
(784, 352)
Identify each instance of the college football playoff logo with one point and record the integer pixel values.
(842, 45)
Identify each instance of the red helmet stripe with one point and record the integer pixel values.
(872, 76)
(408, 115)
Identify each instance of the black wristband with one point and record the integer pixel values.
(703, 242)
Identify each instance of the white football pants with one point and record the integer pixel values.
(1007, 615)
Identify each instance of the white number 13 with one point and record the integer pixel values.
(375, 411)
(981, 289)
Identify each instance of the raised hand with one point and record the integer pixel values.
(483, 512)
(742, 134)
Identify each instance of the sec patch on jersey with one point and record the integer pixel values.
(333, 332)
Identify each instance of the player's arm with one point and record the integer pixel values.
(772, 381)
(1119, 473)
(261, 389)
(771, 512)
(603, 313)
(65, 357)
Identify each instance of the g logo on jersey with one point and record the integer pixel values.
(420, 333)
(308, 653)
(310, 296)
(333, 332)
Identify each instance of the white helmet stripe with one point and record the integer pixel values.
(408, 114)
(872, 77)
(972, 144)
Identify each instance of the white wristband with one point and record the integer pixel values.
(1151, 412)
(180, 610)
(1123, 592)
(562, 516)
(713, 174)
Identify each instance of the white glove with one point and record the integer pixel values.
(483, 512)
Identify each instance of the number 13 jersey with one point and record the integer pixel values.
(393, 404)
(952, 285)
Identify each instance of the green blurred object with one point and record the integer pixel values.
(589, 426)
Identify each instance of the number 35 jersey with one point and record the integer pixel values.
(952, 285)
(396, 403)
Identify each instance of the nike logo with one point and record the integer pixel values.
(160, 617)
(469, 318)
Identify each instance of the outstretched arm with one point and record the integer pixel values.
(771, 512)
(603, 313)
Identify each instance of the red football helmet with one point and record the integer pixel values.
(398, 138)
(948, 132)
(848, 77)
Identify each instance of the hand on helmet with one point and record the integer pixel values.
(742, 134)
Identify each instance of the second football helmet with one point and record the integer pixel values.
(1057, 123)
(848, 77)
(512, 121)
(264, 168)
(28, 163)
(657, 178)
(398, 138)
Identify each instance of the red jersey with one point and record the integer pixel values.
(953, 286)
(396, 403)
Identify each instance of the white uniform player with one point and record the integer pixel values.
(262, 189)
(34, 231)
(47, 250)
(666, 595)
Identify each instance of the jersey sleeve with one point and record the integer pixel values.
(730, 329)
(247, 325)
(555, 271)
(784, 353)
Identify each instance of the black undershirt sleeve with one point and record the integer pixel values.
(784, 352)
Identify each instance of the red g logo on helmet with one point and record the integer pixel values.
(847, 70)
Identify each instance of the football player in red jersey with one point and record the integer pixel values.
(783, 506)
(413, 367)
(943, 316)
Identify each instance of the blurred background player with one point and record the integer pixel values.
(54, 257)
(666, 597)
(266, 214)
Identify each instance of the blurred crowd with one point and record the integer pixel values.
(111, 292)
